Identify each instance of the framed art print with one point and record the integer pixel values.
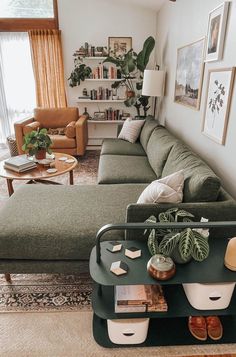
(216, 32)
(118, 46)
(219, 92)
(189, 73)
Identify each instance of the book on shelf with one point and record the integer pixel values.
(19, 164)
(140, 298)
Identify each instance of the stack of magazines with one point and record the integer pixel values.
(19, 164)
(139, 298)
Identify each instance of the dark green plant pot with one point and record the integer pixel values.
(175, 255)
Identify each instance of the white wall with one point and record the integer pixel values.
(179, 24)
(93, 21)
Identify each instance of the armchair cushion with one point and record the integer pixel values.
(30, 127)
(70, 131)
(62, 142)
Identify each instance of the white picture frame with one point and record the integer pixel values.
(216, 32)
(217, 106)
(189, 74)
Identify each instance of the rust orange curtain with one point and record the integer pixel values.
(48, 68)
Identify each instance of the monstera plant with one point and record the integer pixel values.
(182, 245)
(130, 67)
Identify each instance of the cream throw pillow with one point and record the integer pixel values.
(131, 130)
(169, 189)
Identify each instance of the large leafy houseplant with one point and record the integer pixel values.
(79, 73)
(130, 67)
(180, 244)
(37, 143)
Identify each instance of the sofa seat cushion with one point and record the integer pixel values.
(62, 141)
(124, 169)
(201, 183)
(121, 147)
(149, 125)
(158, 148)
(47, 222)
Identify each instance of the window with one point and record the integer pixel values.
(23, 15)
(17, 94)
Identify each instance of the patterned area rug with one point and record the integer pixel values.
(45, 292)
(48, 292)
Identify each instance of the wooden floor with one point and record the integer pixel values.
(226, 355)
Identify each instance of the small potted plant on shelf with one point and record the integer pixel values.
(130, 67)
(180, 244)
(37, 143)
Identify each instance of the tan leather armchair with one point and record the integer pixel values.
(75, 129)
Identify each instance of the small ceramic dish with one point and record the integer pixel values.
(51, 171)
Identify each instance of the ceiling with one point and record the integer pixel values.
(149, 4)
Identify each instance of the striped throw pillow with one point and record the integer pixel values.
(131, 130)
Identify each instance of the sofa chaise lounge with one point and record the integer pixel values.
(52, 228)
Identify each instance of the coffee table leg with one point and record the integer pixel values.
(71, 177)
(10, 187)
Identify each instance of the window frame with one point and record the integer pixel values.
(25, 24)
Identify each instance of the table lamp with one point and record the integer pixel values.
(153, 84)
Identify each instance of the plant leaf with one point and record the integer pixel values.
(201, 247)
(152, 243)
(186, 242)
(143, 56)
(169, 242)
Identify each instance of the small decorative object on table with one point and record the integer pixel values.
(114, 247)
(133, 252)
(230, 255)
(119, 268)
(37, 143)
(161, 267)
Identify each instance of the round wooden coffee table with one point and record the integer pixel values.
(40, 174)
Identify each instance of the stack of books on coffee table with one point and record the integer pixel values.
(139, 298)
(19, 164)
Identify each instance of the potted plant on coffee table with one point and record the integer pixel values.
(37, 143)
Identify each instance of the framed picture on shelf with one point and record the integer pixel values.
(219, 92)
(189, 74)
(99, 116)
(118, 46)
(216, 32)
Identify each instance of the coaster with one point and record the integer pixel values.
(114, 246)
(119, 268)
(51, 171)
(63, 158)
(69, 161)
(133, 252)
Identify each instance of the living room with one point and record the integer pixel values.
(49, 231)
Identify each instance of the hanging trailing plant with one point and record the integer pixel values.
(185, 244)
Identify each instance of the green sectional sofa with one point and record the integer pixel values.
(52, 228)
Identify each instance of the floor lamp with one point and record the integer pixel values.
(153, 85)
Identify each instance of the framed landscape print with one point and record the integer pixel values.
(219, 92)
(119, 45)
(189, 73)
(216, 32)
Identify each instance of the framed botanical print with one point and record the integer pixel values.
(219, 92)
(216, 32)
(189, 73)
(118, 46)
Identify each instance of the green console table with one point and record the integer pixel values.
(165, 328)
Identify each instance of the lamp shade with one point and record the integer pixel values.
(153, 83)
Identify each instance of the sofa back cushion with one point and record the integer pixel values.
(55, 117)
(201, 184)
(147, 129)
(158, 148)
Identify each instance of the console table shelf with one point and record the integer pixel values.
(165, 328)
(166, 332)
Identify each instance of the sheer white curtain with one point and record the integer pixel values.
(17, 86)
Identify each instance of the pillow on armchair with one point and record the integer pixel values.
(70, 130)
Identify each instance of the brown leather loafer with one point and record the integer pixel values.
(214, 327)
(197, 327)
